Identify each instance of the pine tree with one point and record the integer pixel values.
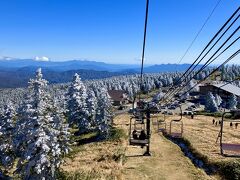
(210, 103)
(61, 128)
(92, 107)
(158, 97)
(37, 137)
(104, 114)
(76, 105)
(7, 154)
(218, 100)
(232, 102)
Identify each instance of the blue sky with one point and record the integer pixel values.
(108, 30)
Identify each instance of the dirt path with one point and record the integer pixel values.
(167, 160)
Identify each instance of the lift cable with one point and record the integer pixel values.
(143, 47)
(209, 43)
(215, 70)
(210, 60)
(200, 30)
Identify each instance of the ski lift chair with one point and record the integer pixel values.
(162, 125)
(154, 120)
(234, 148)
(176, 134)
(137, 142)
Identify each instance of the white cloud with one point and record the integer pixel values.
(43, 58)
(6, 58)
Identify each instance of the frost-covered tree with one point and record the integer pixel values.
(7, 154)
(158, 97)
(104, 114)
(210, 103)
(218, 100)
(76, 105)
(191, 86)
(92, 107)
(37, 134)
(232, 102)
(61, 128)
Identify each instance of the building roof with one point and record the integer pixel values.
(116, 95)
(229, 88)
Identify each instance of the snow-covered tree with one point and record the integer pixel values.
(7, 154)
(37, 134)
(218, 100)
(61, 128)
(210, 103)
(232, 102)
(158, 97)
(104, 114)
(92, 107)
(76, 105)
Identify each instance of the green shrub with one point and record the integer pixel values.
(116, 134)
(230, 170)
(63, 175)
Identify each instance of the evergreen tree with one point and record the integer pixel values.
(37, 134)
(104, 114)
(77, 107)
(7, 154)
(158, 97)
(218, 100)
(232, 102)
(210, 103)
(92, 107)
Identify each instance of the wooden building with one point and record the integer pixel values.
(220, 88)
(119, 97)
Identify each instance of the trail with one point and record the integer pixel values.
(167, 160)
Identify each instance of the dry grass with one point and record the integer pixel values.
(167, 160)
(104, 159)
(202, 135)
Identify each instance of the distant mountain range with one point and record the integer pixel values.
(17, 72)
(65, 65)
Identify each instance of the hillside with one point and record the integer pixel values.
(16, 72)
(20, 77)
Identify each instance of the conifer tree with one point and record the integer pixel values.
(92, 107)
(37, 134)
(210, 103)
(104, 113)
(7, 154)
(232, 102)
(76, 105)
(218, 100)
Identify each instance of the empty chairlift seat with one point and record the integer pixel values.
(179, 133)
(229, 149)
(176, 122)
(162, 125)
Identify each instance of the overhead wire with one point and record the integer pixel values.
(205, 48)
(186, 74)
(209, 61)
(200, 30)
(143, 47)
(215, 70)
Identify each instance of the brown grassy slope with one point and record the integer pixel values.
(167, 160)
(202, 135)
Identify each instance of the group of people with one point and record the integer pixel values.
(219, 123)
(216, 122)
(142, 135)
